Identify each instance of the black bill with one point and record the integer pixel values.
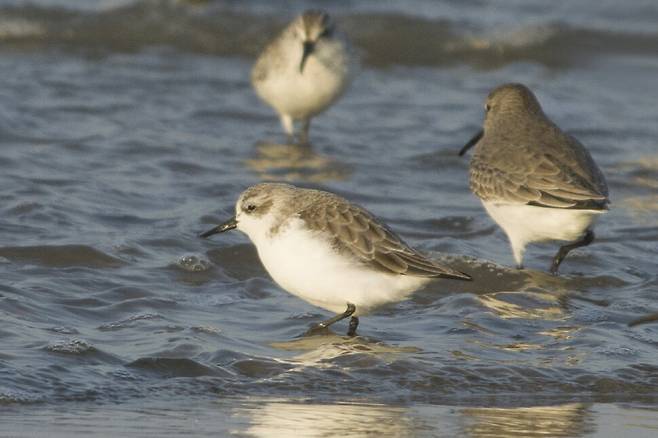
(308, 49)
(226, 226)
(472, 142)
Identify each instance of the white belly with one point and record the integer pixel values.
(537, 224)
(524, 224)
(303, 95)
(306, 265)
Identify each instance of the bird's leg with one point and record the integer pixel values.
(324, 324)
(288, 126)
(303, 135)
(518, 249)
(564, 250)
(347, 313)
(354, 323)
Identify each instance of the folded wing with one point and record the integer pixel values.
(544, 176)
(359, 233)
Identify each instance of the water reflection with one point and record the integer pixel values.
(536, 305)
(285, 419)
(293, 162)
(320, 351)
(544, 308)
(568, 420)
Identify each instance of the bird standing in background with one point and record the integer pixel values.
(303, 70)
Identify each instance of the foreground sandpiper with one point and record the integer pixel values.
(303, 70)
(535, 181)
(330, 252)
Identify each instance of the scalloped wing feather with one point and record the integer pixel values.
(358, 232)
(564, 177)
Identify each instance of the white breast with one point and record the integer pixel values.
(304, 263)
(303, 95)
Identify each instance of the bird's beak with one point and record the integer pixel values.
(226, 226)
(472, 142)
(309, 46)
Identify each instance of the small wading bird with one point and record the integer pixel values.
(303, 70)
(330, 252)
(535, 181)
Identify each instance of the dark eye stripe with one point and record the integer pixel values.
(257, 209)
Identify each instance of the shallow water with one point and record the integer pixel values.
(127, 128)
(282, 418)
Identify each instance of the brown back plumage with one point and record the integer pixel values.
(523, 157)
(356, 231)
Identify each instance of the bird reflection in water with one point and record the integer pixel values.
(294, 162)
(285, 419)
(567, 420)
(320, 351)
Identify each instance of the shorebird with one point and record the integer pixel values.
(303, 70)
(535, 181)
(330, 252)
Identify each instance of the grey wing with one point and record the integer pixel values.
(563, 178)
(358, 232)
(260, 69)
(259, 72)
(587, 167)
(272, 58)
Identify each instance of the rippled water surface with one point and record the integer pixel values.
(126, 128)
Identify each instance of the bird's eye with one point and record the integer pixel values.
(251, 207)
(327, 33)
(487, 107)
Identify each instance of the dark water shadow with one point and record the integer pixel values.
(61, 256)
(170, 367)
(508, 293)
(491, 277)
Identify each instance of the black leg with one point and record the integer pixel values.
(564, 250)
(303, 135)
(354, 323)
(324, 324)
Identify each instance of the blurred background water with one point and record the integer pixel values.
(128, 126)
